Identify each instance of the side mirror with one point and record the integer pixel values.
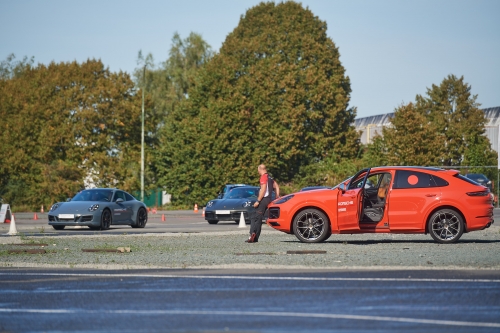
(342, 187)
(119, 200)
(219, 196)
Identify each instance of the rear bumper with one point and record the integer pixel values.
(480, 222)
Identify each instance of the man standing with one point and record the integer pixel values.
(267, 185)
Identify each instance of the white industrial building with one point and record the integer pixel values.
(371, 126)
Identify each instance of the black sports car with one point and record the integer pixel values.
(232, 204)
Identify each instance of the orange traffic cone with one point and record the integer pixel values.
(154, 210)
(163, 217)
(41, 210)
(196, 208)
(35, 217)
(203, 212)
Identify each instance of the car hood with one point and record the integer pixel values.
(231, 203)
(75, 207)
(311, 192)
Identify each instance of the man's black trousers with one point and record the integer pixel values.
(258, 215)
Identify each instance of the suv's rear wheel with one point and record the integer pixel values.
(446, 226)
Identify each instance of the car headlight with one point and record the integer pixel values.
(284, 199)
(54, 207)
(247, 204)
(210, 204)
(93, 208)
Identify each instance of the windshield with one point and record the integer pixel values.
(242, 193)
(93, 195)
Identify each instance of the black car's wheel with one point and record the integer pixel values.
(446, 226)
(105, 219)
(311, 226)
(58, 227)
(142, 218)
(213, 221)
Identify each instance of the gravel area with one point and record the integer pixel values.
(476, 250)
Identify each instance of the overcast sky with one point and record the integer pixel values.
(391, 49)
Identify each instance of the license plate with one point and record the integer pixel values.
(222, 212)
(66, 216)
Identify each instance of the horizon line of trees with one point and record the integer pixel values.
(275, 93)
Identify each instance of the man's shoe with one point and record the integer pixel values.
(251, 239)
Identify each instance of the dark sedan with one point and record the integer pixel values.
(480, 179)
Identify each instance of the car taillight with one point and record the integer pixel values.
(478, 194)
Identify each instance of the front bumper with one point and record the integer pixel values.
(234, 215)
(79, 219)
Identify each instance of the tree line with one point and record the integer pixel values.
(275, 93)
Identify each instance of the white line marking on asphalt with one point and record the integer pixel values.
(249, 277)
(260, 314)
(224, 289)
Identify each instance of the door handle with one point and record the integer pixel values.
(430, 195)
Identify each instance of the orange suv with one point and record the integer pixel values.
(397, 199)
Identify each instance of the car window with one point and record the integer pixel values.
(372, 181)
(242, 193)
(467, 179)
(119, 195)
(129, 197)
(415, 179)
(93, 195)
(477, 176)
(439, 181)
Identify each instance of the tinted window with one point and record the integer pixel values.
(465, 179)
(373, 180)
(242, 193)
(93, 195)
(439, 181)
(119, 194)
(129, 197)
(415, 179)
(477, 177)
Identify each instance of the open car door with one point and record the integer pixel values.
(350, 202)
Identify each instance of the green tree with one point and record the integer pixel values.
(63, 123)
(9, 68)
(166, 85)
(454, 112)
(445, 128)
(479, 154)
(276, 93)
(410, 140)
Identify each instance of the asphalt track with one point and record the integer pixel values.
(195, 300)
(248, 301)
(175, 221)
